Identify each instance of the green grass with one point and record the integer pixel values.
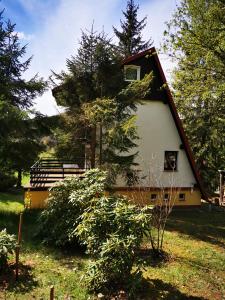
(25, 178)
(195, 241)
(11, 202)
(40, 266)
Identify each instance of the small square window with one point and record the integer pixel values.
(170, 161)
(153, 197)
(166, 197)
(132, 73)
(181, 197)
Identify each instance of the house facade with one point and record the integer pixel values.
(164, 163)
(165, 166)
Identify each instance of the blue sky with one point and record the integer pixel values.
(51, 28)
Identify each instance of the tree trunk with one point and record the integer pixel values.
(19, 178)
(93, 145)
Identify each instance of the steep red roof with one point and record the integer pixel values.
(173, 110)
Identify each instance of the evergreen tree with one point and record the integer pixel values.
(93, 73)
(130, 38)
(16, 98)
(98, 104)
(195, 38)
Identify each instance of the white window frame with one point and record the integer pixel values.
(138, 68)
(167, 169)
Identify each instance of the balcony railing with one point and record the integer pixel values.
(49, 170)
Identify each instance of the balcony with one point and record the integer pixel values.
(47, 171)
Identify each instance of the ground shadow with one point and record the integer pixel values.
(25, 282)
(150, 258)
(157, 289)
(200, 224)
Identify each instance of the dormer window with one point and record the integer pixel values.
(132, 72)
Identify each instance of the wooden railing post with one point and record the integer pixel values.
(52, 292)
(18, 245)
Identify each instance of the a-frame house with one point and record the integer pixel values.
(164, 164)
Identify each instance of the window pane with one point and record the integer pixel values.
(131, 74)
(182, 197)
(170, 161)
(153, 196)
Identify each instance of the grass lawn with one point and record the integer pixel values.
(40, 266)
(25, 178)
(13, 201)
(195, 271)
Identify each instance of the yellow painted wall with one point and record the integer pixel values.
(141, 197)
(35, 199)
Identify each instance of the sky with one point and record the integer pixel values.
(52, 28)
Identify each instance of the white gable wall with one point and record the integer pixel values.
(158, 133)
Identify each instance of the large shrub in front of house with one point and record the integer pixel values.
(7, 247)
(66, 204)
(112, 229)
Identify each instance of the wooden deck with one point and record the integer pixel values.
(46, 173)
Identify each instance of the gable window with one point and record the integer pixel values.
(170, 160)
(132, 73)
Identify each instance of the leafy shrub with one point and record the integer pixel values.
(7, 246)
(66, 204)
(7, 181)
(112, 229)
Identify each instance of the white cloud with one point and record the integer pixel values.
(57, 38)
(23, 36)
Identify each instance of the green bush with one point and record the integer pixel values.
(7, 181)
(66, 204)
(112, 230)
(7, 246)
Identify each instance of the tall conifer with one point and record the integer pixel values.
(130, 38)
(17, 141)
(195, 38)
(93, 92)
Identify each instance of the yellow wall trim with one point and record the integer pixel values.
(35, 199)
(153, 196)
(156, 196)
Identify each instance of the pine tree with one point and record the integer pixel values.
(195, 38)
(130, 38)
(93, 92)
(16, 97)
